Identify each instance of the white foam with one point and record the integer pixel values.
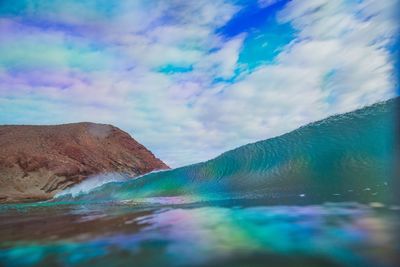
(95, 181)
(91, 183)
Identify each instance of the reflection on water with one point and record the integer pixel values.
(346, 234)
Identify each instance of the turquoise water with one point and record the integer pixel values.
(323, 195)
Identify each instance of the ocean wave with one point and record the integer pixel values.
(349, 154)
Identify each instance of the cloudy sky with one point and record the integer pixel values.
(192, 79)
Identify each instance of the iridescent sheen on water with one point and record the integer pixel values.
(217, 234)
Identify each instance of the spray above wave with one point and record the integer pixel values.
(351, 153)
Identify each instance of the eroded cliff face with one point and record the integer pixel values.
(36, 162)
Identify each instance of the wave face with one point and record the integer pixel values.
(351, 155)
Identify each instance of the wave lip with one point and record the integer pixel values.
(91, 183)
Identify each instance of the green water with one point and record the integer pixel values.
(323, 195)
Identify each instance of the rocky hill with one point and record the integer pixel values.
(36, 162)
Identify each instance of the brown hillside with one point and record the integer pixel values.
(38, 161)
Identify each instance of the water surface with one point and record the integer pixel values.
(230, 233)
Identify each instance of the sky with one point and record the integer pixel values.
(192, 79)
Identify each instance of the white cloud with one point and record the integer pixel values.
(223, 62)
(328, 69)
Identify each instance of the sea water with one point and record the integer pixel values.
(323, 195)
(224, 233)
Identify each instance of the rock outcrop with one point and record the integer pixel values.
(36, 162)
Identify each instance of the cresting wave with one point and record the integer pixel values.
(349, 155)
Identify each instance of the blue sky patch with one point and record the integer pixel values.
(171, 69)
(265, 38)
